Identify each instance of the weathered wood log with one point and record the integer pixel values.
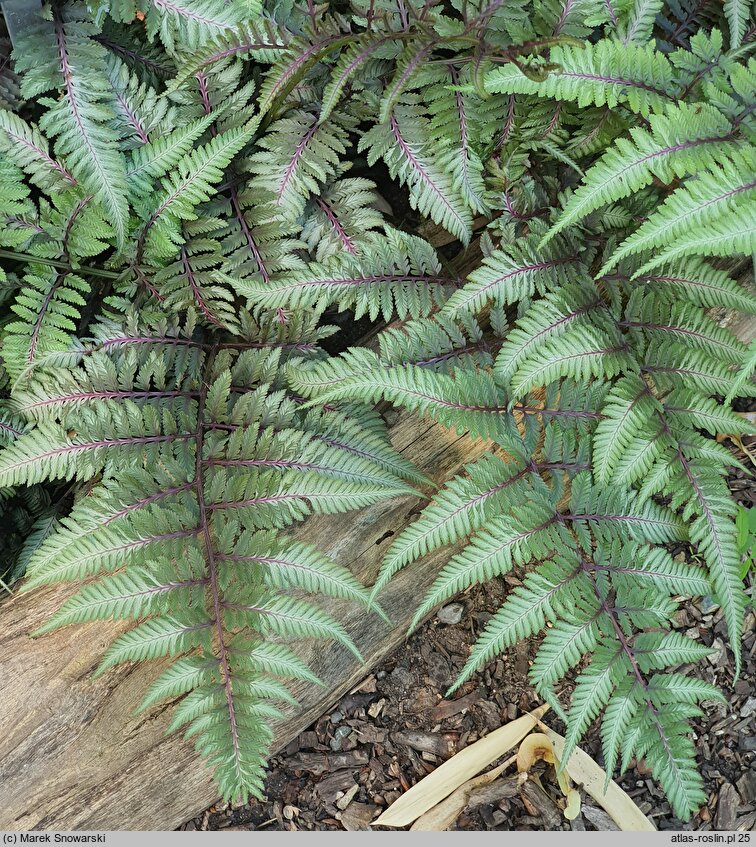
(73, 755)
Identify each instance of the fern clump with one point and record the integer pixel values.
(190, 190)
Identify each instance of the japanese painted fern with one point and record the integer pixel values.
(190, 190)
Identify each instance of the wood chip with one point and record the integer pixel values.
(484, 795)
(727, 808)
(317, 763)
(747, 787)
(308, 740)
(599, 818)
(358, 816)
(425, 742)
(344, 801)
(334, 784)
(538, 803)
(447, 708)
(367, 686)
(577, 824)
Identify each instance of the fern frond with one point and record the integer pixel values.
(640, 22)
(564, 646)
(393, 273)
(593, 690)
(454, 118)
(350, 61)
(163, 162)
(580, 354)
(700, 489)
(28, 149)
(506, 541)
(463, 506)
(158, 157)
(607, 73)
(190, 185)
(257, 243)
(47, 314)
(669, 753)
(734, 232)
(514, 273)
(195, 278)
(139, 111)
(291, 64)
(737, 14)
(191, 23)
(630, 406)
(179, 532)
(550, 316)
(339, 218)
(698, 370)
(682, 322)
(524, 612)
(683, 140)
(744, 375)
(700, 203)
(695, 280)
(50, 56)
(298, 155)
(261, 38)
(462, 402)
(402, 143)
(157, 637)
(437, 342)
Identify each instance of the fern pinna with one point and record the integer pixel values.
(188, 190)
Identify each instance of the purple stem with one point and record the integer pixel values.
(43, 155)
(336, 224)
(292, 166)
(247, 233)
(37, 328)
(215, 592)
(196, 291)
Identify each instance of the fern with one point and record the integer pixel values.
(190, 186)
(576, 165)
(700, 205)
(682, 141)
(338, 219)
(737, 20)
(190, 23)
(603, 74)
(401, 142)
(229, 463)
(27, 148)
(47, 314)
(599, 576)
(300, 153)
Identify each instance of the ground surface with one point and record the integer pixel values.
(396, 727)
